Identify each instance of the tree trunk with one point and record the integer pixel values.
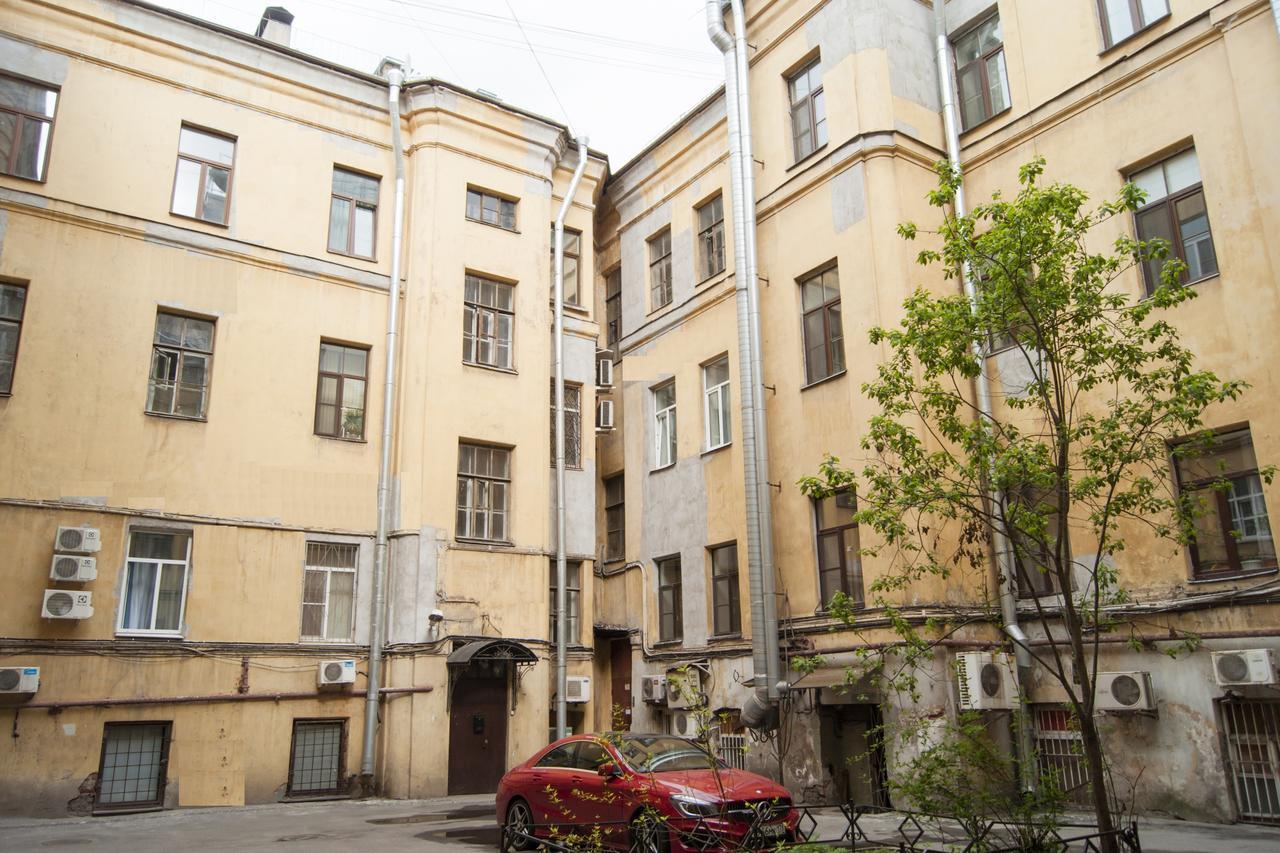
(1091, 742)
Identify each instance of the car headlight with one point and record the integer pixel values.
(694, 807)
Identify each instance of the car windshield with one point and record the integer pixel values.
(660, 753)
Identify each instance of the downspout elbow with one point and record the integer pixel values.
(715, 26)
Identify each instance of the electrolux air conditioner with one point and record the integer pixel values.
(67, 604)
(577, 689)
(986, 681)
(1244, 667)
(73, 568)
(604, 415)
(684, 688)
(335, 672)
(1124, 691)
(653, 688)
(604, 373)
(83, 539)
(19, 679)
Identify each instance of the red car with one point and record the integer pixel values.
(649, 792)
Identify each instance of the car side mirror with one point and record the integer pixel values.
(609, 770)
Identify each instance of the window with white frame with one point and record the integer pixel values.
(484, 484)
(715, 385)
(572, 424)
(155, 582)
(328, 591)
(664, 425)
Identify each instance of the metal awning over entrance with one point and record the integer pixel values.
(486, 653)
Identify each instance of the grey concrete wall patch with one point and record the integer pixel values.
(18, 57)
(848, 198)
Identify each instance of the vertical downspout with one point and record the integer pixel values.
(746, 367)
(377, 627)
(1275, 13)
(765, 498)
(999, 542)
(562, 627)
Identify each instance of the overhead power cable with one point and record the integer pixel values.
(545, 76)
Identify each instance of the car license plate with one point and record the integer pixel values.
(774, 830)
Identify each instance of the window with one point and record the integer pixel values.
(839, 560)
(340, 394)
(560, 757)
(487, 322)
(613, 306)
(808, 110)
(980, 73)
(1175, 212)
(726, 615)
(484, 481)
(823, 334)
(572, 598)
(316, 756)
(715, 385)
(572, 425)
(660, 270)
(329, 591)
(615, 518)
(572, 254)
(13, 304)
(1222, 485)
(1035, 574)
(491, 209)
(353, 213)
(711, 238)
(135, 761)
(664, 426)
(1123, 18)
(155, 582)
(670, 614)
(202, 184)
(26, 127)
(180, 361)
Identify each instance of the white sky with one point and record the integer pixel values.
(624, 71)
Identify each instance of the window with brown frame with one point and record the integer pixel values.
(26, 127)
(202, 182)
(615, 518)
(341, 391)
(1033, 551)
(13, 305)
(484, 486)
(980, 73)
(1123, 18)
(823, 332)
(613, 306)
(670, 606)
(572, 424)
(839, 557)
(353, 214)
(1224, 489)
(660, 270)
(1175, 212)
(573, 600)
(491, 209)
(317, 757)
(488, 320)
(134, 765)
(711, 238)
(181, 361)
(726, 614)
(572, 255)
(808, 110)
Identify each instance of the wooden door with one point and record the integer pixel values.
(478, 734)
(620, 685)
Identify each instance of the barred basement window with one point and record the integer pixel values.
(317, 757)
(180, 363)
(328, 591)
(133, 767)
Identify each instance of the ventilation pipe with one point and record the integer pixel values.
(1000, 543)
(276, 25)
(394, 73)
(562, 621)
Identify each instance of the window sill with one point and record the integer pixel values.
(815, 383)
(7, 174)
(660, 309)
(1129, 38)
(493, 225)
(150, 635)
(340, 438)
(667, 644)
(1147, 294)
(807, 158)
(666, 467)
(482, 544)
(167, 417)
(719, 275)
(717, 448)
(567, 466)
(736, 635)
(366, 259)
(1234, 577)
(510, 371)
(198, 219)
(987, 120)
(572, 308)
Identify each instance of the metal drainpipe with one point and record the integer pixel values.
(746, 373)
(562, 627)
(999, 543)
(1275, 13)
(377, 627)
(765, 498)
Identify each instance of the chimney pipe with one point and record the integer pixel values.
(276, 25)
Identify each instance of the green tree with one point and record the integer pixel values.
(1076, 462)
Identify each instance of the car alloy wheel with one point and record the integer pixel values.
(518, 829)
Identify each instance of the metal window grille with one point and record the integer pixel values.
(134, 756)
(572, 425)
(732, 749)
(315, 763)
(1059, 752)
(1251, 731)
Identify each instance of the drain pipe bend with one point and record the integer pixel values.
(561, 604)
(999, 542)
(377, 626)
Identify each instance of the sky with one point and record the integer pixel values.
(620, 72)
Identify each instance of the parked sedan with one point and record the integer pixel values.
(656, 792)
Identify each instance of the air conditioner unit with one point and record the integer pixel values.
(1247, 666)
(19, 679)
(684, 688)
(684, 724)
(73, 568)
(987, 681)
(67, 604)
(604, 415)
(653, 688)
(578, 689)
(83, 539)
(335, 672)
(604, 373)
(1124, 691)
